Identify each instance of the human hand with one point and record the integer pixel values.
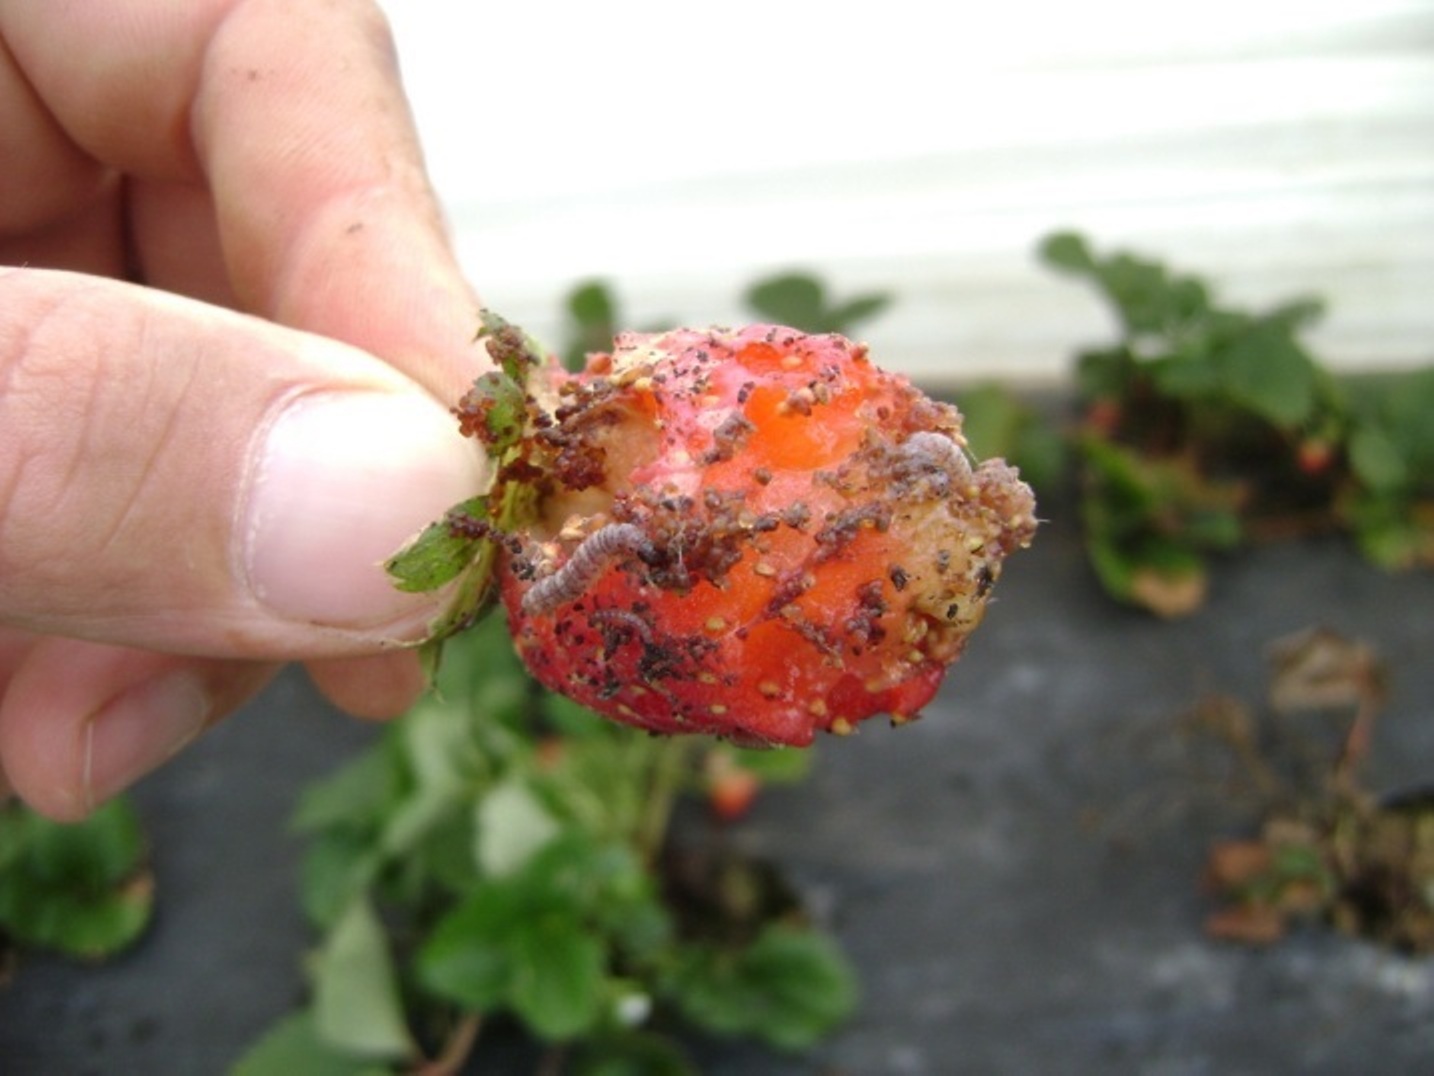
(191, 495)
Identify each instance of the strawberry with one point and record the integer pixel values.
(753, 533)
(731, 788)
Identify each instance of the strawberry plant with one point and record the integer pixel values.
(503, 853)
(1205, 425)
(803, 300)
(1327, 848)
(82, 889)
(1388, 498)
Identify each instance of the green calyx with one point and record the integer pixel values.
(462, 548)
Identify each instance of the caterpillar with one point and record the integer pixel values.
(930, 449)
(591, 557)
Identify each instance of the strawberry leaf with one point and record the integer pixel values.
(294, 1045)
(357, 1007)
(79, 888)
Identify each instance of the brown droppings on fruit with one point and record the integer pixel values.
(797, 516)
(728, 437)
(841, 529)
(790, 587)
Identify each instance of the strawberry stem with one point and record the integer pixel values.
(670, 767)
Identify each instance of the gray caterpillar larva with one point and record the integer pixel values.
(593, 554)
(930, 451)
(937, 449)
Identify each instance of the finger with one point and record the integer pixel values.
(90, 239)
(328, 218)
(79, 722)
(178, 246)
(375, 686)
(46, 175)
(183, 478)
(294, 114)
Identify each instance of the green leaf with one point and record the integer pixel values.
(77, 888)
(592, 304)
(1185, 376)
(1376, 459)
(996, 423)
(100, 851)
(572, 720)
(1067, 250)
(845, 317)
(1266, 370)
(356, 794)
(357, 1007)
(337, 867)
(790, 987)
(502, 405)
(795, 299)
(439, 752)
(774, 765)
(513, 824)
(467, 957)
(294, 1046)
(440, 552)
(807, 985)
(558, 975)
(592, 316)
(800, 300)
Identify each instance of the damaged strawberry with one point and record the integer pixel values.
(754, 533)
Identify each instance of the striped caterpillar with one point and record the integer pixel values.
(615, 541)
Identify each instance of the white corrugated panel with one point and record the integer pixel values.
(1282, 148)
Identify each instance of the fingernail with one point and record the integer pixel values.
(343, 480)
(139, 729)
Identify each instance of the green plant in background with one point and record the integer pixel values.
(504, 853)
(797, 298)
(1204, 425)
(1389, 502)
(81, 889)
(997, 422)
(592, 320)
(801, 300)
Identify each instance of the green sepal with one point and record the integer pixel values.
(443, 550)
(515, 352)
(503, 405)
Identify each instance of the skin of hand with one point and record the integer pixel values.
(229, 318)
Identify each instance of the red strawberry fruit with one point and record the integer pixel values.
(753, 533)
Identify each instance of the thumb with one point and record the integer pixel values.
(180, 477)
